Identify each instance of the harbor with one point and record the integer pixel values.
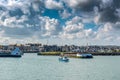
(59, 39)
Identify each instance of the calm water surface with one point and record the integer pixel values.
(33, 67)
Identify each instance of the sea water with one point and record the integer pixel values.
(33, 67)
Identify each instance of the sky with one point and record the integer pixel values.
(71, 22)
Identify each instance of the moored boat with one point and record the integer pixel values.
(15, 53)
(85, 55)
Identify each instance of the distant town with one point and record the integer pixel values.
(39, 47)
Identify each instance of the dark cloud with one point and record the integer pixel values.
(108, 15)
(106, 9)
(2, 8)
(116, 3)
(16, 12)
(88, 5)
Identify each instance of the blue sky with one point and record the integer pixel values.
(60, 22)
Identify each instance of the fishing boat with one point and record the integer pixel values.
(15, 53)
(65, 59)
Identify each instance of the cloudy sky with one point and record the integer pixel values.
(60, 22)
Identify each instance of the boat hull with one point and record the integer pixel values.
(84, 56)
(14, 53)
(63, 59)
(10, 55)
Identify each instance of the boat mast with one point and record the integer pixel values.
(86, 44)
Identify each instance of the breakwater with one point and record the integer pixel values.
(49, 53)
(73, 54)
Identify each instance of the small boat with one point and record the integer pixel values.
(85, 55)
(64, 59)
(15, 53)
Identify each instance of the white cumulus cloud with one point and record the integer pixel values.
(52, 4)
